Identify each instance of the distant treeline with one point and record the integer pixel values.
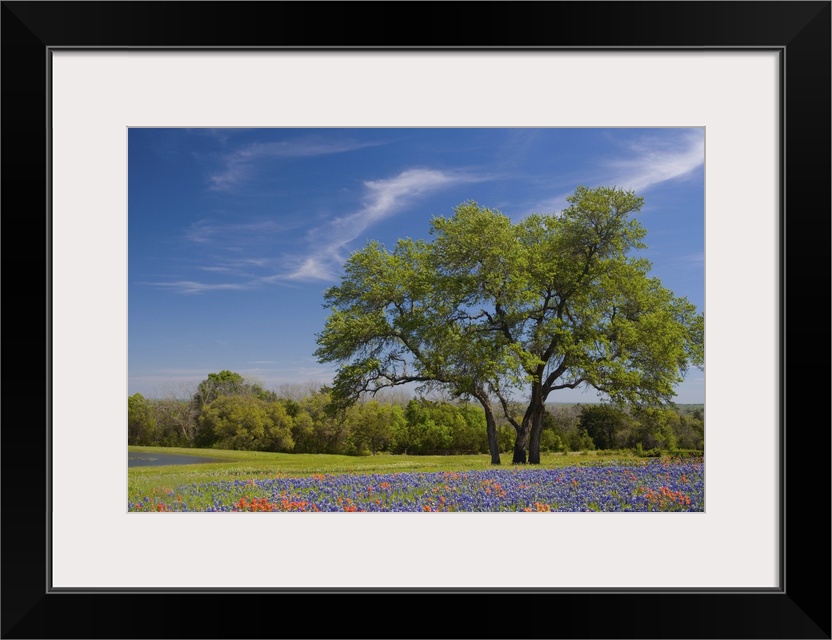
(229, 412)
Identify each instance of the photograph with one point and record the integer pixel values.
(416, 319)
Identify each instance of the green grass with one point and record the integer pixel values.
(234, 465)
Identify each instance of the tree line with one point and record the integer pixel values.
(228, 411)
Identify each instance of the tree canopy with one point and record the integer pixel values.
(492, 308)
(224, 383)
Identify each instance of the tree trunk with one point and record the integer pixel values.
(534, 421)
(490, 428)
(520, 443)
(534, 440)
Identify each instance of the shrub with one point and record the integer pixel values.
(586, 443)
(603, 423)
(550, 441)
(248, 423)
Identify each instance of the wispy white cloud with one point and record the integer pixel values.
(326, 245)
(206, 231)
(191, 287)
(240, 267)
(321, 266)
(238, 165)
(647, 162)
(554, 204)
(230, 245)
(653, 161)
(216, 268)
(383, 198)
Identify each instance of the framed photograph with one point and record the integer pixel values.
(81, 79)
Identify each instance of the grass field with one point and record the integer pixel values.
(259, 481)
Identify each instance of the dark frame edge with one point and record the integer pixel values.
(799, 610)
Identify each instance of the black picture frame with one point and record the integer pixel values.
(800, 608)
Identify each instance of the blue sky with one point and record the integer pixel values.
(234, 234)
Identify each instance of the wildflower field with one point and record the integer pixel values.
(571, 486)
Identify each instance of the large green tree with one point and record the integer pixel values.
(226, 383)
(141, 423)
(493, 308)
(247, 423)
(395, 321)
(604, 423)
